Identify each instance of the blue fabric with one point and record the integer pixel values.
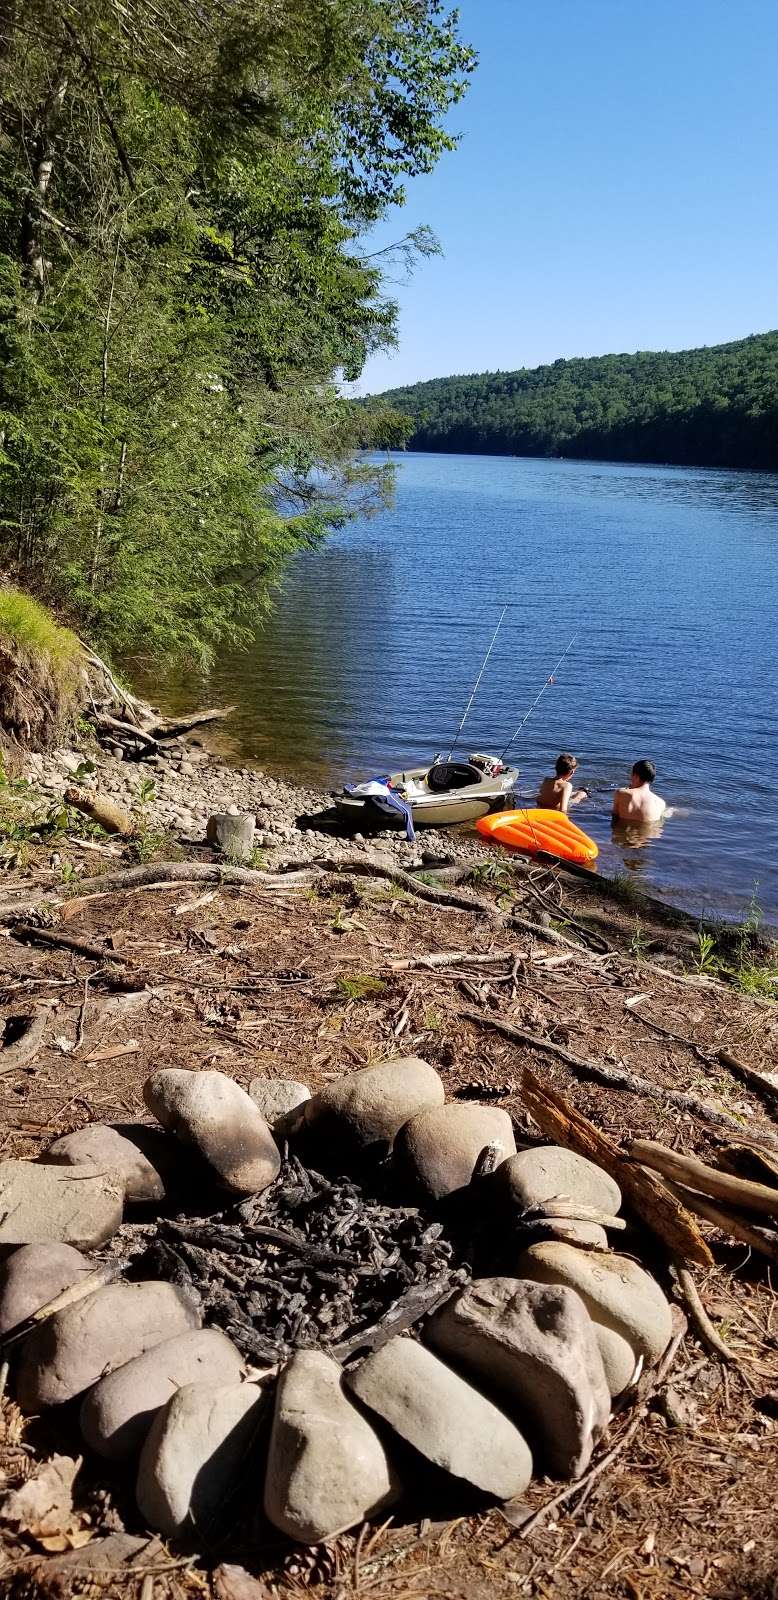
(386, 798)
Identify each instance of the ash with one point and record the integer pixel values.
(311, 1263)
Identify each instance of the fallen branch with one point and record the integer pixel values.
(68, 941)
(764, 1084)
(699, 1316)
(657, 1207)
(23, 1050)
(128, 729)
(650, 1384)
(359, 866)
(762, 1240)
(695, 1174)
(615, 1077)
(170, 727)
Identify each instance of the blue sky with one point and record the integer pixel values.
(615, 188)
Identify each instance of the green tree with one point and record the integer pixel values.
(183, 192)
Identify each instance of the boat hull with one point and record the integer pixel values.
(444, 810)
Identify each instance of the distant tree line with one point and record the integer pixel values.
(716, 406)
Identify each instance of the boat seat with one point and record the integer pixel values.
(451, 775)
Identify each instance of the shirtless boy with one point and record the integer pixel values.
(638, 804)
(556, 794)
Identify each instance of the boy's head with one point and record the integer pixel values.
(643, 772)
(565, 765)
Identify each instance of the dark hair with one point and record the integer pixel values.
(645, 771)
(565, 764)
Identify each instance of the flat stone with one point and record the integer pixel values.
(58, 1205)
(277, 1097)
(616, 1292)
(589, 1235)
(212, 1112)
(369, 1107)
(105, 1148)
(550, 1172)
(79, 1345)
(194, 1454)
(438, 1149)
(443, 1417)
(116, 1415)
(535, 1346)
(35, 1274)
(327, 1468)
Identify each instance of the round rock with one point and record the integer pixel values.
(617, 1293)
(327, 1468)
(439, 1149)
(116, 1415)
(443, 1417)
(210, 1111)
(35, 1274)
(369, 1107)
(194, 1455)
(79, 1345)
(534, 1345)
(102, 1146)
(549, 1172)
(277, 1097)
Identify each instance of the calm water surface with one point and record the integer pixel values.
(669, 579)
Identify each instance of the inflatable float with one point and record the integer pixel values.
(540, 829)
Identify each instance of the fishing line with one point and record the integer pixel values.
(549, 679)
(466, 712)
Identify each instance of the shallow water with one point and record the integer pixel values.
(668, 577)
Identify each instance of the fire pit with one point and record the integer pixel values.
(319, 1348)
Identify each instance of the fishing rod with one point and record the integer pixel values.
(549, 679)
(466, 712)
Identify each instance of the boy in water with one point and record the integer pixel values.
(556, 794)
(637, 804)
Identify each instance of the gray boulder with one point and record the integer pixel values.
(34, 1275)
(536, 1347)
(617, 1293)
(443, 1417)
(232, 834)
(276, 1098)
(550, 1172)
(438, 1149)
(104, 1147)
(116, 1415)
(618, 1359)
(59, 1205)
(212, 1112)
(194, 1455)
(327, 1468)
(79, 1345)
(370, 1106)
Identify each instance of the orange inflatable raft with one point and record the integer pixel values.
(539, 829)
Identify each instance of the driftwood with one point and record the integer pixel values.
(110, 816)
(659, 1209)
(742, 1193)
(24, 1048)
(170, 727)
(616, 1077)
(742, 1228)
(68, 941)
(128, 730)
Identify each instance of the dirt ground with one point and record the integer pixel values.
(305, 983)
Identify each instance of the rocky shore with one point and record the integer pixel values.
(178, 791)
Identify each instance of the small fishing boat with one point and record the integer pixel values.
(538, 829)
(435, 797)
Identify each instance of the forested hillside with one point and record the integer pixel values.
(717, 406)
(183, 191)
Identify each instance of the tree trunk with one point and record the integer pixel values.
(41, 164)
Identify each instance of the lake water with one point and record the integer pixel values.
(668, 578)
